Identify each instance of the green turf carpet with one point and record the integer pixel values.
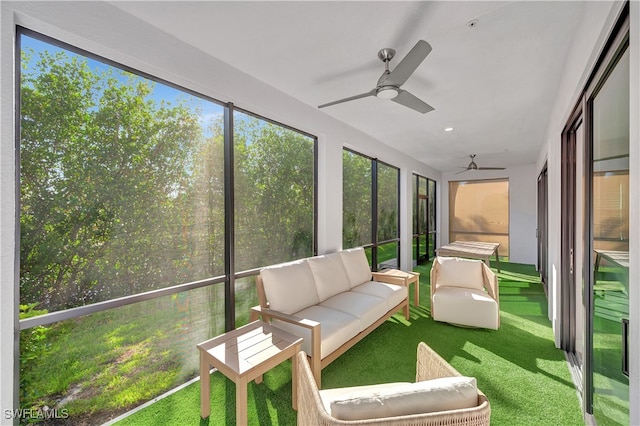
(518, 367)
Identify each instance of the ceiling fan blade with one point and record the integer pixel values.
(408, 64)
(490, 168)
(407, 99)
(462, 171)
(351, 98)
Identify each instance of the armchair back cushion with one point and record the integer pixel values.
(329, 274)
(448, 393)
(290, 287)
(357, 266)
(456, 272)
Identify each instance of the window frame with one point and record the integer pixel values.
(230, 275)
(375, 244)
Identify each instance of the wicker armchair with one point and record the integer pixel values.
(430, 365)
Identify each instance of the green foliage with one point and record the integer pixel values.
(356, 200)
(104, 177)
(33, 345)
(274, 188)
(357, 203)
(122, 193)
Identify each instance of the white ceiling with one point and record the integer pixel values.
(494, 83)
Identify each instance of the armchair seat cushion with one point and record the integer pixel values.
(464, 306)
(337, 327)
(336, 394)
(442, 394)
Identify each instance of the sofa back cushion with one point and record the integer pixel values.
(458, 272)
(357, 266)
(289, 287)
(329, 275)
(448, 393)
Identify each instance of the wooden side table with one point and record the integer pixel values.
(245, 354)
(396, 276)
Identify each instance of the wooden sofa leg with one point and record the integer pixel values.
(406, 310)
(316, 367)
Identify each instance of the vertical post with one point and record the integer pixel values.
(374, 214)
(229, 225)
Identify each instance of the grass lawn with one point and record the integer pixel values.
(518, 367)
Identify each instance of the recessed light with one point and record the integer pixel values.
(448, 129)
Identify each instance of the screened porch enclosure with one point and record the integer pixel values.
(146, 212)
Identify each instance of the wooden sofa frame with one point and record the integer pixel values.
(317, 364)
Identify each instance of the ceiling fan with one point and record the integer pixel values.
(388, 86)
(473, 166)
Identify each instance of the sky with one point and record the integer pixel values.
(208, 110)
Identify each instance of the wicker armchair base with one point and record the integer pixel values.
(429, 365)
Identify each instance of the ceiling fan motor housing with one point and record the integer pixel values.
(386, 54)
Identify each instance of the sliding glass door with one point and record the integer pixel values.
(424, 219)
(609, 212)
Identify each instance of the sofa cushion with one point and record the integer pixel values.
(392, 293)
(336, 328)
(448, 393)
(367, 308)
(289, 287)
(464, 306)
(357, 266)
(329, 275)
(457, 272)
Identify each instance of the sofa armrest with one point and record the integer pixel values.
(389, 279)
(430, 365)
(270, 314)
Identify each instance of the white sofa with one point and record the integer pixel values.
(464, 292)
(330, 301)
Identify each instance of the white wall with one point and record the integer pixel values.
(8, 315)
(106, 31)
(522, 208)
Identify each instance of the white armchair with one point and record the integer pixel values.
(464, 292)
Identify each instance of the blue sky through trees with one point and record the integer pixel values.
(208, 111)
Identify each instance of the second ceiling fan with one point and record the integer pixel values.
(388, 86)
(473, 166)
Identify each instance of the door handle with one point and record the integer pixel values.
(571, 261)
(625, 346)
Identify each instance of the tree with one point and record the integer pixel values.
(356, 200)
(106, 171)
(274, 193)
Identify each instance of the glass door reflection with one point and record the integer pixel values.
(610, 239)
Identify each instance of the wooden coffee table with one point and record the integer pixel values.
(396, 276)
(245, 354)
(472, 249)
